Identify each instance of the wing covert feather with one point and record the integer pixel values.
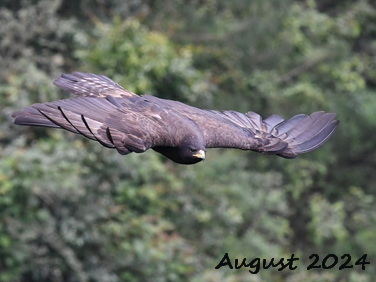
(106, 112)
(134, 127)
(91, 85)
(274, 135)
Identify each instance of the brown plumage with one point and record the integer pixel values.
(119, 119)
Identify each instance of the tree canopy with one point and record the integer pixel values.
(71, 210)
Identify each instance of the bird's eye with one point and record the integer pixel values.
(192, 150)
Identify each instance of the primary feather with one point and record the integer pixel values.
(117, 118)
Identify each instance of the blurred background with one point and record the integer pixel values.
(72, 210)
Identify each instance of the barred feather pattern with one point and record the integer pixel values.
(117, 118)
(91, 85)
(300, 134)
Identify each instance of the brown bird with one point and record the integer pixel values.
(117, 118)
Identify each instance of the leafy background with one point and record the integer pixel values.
(71, 210)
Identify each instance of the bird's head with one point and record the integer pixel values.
(191, 151)
(188, 152)
(192, 155)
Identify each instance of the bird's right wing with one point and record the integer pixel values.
(105, 112)
(128, 125)
(91, 85)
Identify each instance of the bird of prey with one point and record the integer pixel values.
(117, 118)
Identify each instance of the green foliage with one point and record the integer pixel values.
(71, 210)
(33, 33)
(144, 61)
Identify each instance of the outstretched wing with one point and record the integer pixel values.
(113, 122)
(91, 85)
(120, 119)
(273, 135)
(107, 113)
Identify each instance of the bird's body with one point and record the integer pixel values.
(106, 112)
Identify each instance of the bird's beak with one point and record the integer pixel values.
(200, 154)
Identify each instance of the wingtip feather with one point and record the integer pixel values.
(309, 134)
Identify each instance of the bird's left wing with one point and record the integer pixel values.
(273, 135)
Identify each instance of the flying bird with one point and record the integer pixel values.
(119, 119)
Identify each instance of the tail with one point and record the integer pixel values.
(298, 135)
